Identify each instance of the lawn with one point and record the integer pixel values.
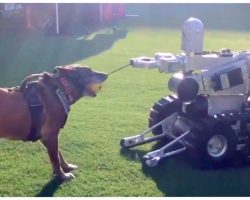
(95, 125)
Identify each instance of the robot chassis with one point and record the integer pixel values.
(208, 114)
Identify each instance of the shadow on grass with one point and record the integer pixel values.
(50, 188)
(26, 53)
(177, 176)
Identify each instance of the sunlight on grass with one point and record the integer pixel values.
(95, 126)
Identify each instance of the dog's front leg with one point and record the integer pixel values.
(51, 145)
(67, 167)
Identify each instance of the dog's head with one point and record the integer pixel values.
(87, 81)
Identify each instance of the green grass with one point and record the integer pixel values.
(95, 126)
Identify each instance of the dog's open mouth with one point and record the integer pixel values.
(98, 79)
(95, 88)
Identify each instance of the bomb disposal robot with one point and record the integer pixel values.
(208, 114)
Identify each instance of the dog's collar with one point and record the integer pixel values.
(67, 89)
(66, 98)
(63, 99)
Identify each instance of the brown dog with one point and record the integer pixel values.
(38, 109)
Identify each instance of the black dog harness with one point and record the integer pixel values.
(31, 94)
(36, 110)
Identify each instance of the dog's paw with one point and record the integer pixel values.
(69, 167)
(67, 176)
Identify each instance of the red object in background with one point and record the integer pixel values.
(119, 10)
(107, 12)
(86, 13)
(113, 12)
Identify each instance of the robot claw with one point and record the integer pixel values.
(153, 158)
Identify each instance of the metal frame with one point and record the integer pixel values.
(152, 158)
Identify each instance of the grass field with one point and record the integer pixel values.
(95, 126)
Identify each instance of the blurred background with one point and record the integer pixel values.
(36, 37)
(73, 17)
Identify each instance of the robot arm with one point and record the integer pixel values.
(165, 62)
(192, 43)
(145, 62)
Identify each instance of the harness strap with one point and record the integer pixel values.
(67, 88)
(31, 92)
(36, 109)
(36, 113)
(63, 99)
